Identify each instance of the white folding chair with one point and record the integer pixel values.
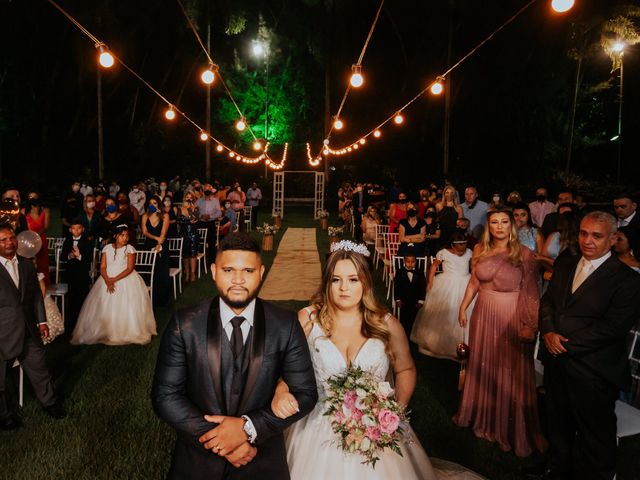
(202, 250)
(175, 252)
(59, 290)
(247, 217)
(145, 266)
(140, 238)
(94, 273)
(379, 243)
(16, 364)
(53, 243)
(391, 244)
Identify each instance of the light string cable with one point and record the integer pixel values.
(97, 42)
(211, 62)
(358, 63)
(342, 150)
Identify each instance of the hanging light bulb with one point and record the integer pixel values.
(203, 136)
(241, 125)
(362, 141)
(170, 113)
(562, 6)
(356, 76)
(325, 151)
(337, 124)
(104, 57)
(219, 148)
(398, 119)
(437, 87)
(208, 76)
(377, 133)
(257, 145)
(618, 47)
(231, 154)
(356, 146)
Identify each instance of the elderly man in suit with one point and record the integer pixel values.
(22, 326)
(218, 367)
(585, 318)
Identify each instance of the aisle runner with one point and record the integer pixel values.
(295, 273)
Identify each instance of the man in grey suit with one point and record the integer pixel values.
(22, 326)
(218, 367)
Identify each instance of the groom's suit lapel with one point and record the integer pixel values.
(256, 353)
(214, 338)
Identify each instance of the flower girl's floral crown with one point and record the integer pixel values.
(350, 246)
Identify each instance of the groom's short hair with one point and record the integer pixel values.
(239, 241)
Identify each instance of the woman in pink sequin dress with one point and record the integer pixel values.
(499, 398)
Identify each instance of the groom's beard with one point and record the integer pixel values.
(239, 303)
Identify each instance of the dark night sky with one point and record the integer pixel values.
(509, 101)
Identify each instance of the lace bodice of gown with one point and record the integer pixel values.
(117, 258)
(329, 361)
(497, 273)
(453, 263)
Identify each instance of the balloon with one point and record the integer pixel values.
(29, 244)
(463, 351)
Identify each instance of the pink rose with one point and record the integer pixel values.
(356, 414)
(373, 433)
(389, 421)
(339, 417)
(350, 398)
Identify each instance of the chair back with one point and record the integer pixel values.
(398, 263)
(202, 243)
(174, 245)
(145, 265)
(433, 259)
(391, 243)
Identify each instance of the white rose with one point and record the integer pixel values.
(346, 411)
(368, 421)
(362, 393)
(360, 404)
(384, 389)
(365, 445)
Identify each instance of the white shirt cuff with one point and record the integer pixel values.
(250, 430)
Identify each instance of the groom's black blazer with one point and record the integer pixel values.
(188, 385)
(596, 319)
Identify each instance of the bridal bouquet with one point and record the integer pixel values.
(364, 415)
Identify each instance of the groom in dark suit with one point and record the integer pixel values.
(585, 318)
(22, 326)
(218, 367)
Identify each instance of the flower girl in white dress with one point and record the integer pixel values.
(346, 325)
(118, 309)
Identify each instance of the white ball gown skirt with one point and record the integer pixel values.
(119, 318)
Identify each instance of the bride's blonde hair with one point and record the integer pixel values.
(373, 312)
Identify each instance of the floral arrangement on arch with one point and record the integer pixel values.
(365, 415)
(267, 229)
(335, 231)
(321, 213)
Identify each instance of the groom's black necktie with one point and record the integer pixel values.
(236, 336)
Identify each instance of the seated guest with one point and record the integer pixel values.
(229, 221)
(463, 224)
(369, 221)
(109, 221)
(412, 233)
(627, 247)
(77, 251)
(409, 289)
(90, 217)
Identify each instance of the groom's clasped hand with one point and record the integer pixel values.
(228, 440)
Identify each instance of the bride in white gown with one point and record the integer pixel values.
(347, 325)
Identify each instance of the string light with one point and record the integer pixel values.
(204, 136)
(562, 6)
(437, 87)
(398, 119)
(325, 151)
(208, 76)
(337, 124)
(104, 57)
(219, 148)
(377, 133)
(362, 141)
(356, 76)
(170, 113)
(231, 154)
(241, 125)
(257, 145)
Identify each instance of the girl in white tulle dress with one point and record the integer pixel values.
(347, 325)
(118, 309)
(436, 329)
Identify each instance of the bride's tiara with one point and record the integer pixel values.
(350, 246)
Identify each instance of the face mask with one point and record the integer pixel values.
(91, 204)
(541, 198)
(111, 208)
(35, 202)
(167, 204)
(208, 192)
(135, 190)
(496, 199)
(412, 212)
(75, 188)
(152, 209)
(163, 187)
(403, 200)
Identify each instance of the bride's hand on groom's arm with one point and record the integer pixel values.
(283, 404)
(242, 455)
(228, 435)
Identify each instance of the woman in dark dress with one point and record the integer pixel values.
(187, 226)
(169, 208)
(448, 213)
(412, 233)
(107, 224)
(432, 234)
(155, 224)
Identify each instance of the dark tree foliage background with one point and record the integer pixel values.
(510, 102)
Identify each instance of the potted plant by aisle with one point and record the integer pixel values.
(277, 219)
(267, 231)
(323, 215)
(334, 234)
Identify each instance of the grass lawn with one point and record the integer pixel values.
(112, 432)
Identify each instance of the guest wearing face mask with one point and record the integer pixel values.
(397, 212)
(70, 209)
(101, 198)
(210, 213)
(496, 201)
(137, 198)
(89, 217)
(109, 221)
(541, 207)
(155, 225)
(38, 221)
(162, 190)
(448, 211)
(412, 233)
(129, 214)
(172, 211)
(424, 203)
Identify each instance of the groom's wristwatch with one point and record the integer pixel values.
(249, 429)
